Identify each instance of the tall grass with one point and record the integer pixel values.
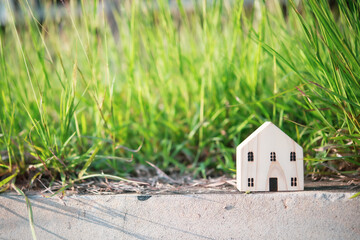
(186, 86)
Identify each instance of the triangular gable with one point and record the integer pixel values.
(260, 129)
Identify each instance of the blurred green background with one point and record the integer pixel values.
(104, 86)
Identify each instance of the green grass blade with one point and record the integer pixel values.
(89, 161)
(29, 208)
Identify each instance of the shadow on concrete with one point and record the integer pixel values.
(26, 219)
(71, 212)
(118, 218)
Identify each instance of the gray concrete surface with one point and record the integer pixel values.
(295, 215)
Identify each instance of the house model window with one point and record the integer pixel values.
(278, 174)
(272, 157)
(250, 156)
(250, 182)
(292, 156)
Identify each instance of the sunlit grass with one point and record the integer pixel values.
(186, 85)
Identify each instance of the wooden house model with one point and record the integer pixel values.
(269, 160)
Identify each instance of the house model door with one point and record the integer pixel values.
(273, 184)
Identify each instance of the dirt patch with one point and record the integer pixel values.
(186, 185)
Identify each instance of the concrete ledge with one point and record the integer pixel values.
(296, 215)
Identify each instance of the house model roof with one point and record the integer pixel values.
(260, 129)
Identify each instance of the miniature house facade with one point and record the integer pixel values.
(269, 160)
